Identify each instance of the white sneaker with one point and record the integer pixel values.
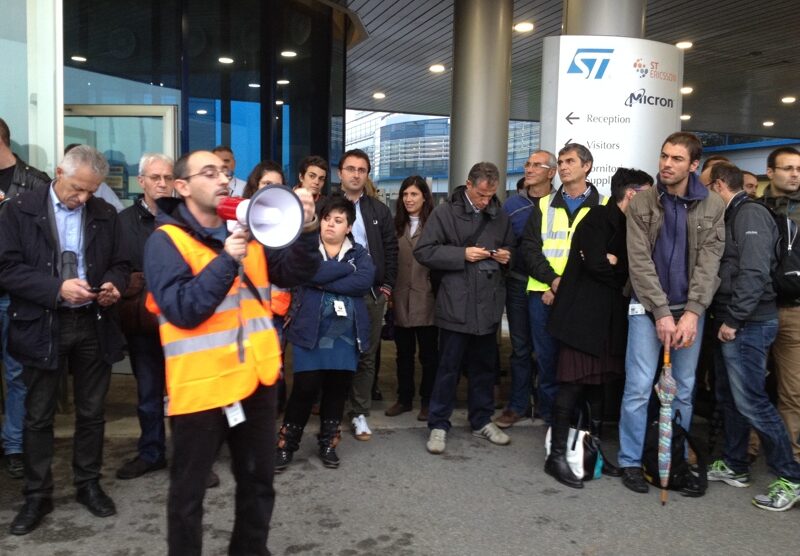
(493, 434)
(360, 428)
(437, 441)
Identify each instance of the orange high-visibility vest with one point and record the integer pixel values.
(280, 300)
(224, 359)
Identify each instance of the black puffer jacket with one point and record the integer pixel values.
(472, 295)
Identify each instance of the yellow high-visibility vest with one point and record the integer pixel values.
(225, 358)
(557, 236)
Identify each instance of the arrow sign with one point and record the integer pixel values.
(570, 117)
(568, 141)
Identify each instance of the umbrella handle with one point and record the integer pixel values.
(666, 355)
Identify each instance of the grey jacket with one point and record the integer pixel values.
(745, 292)
(412, 294)
(472, 295)
(706, 239)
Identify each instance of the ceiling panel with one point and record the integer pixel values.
(746, 56)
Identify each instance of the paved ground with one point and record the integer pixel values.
(390, 497)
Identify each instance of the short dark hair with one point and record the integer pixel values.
(181, 168)
(730, 174)
(222, 148)
(259, 170)
(520, 184)
(339, 203)
(483, 171)
(749, 173)
(358, 153)
(5, 133)
(773, 156)
(312, 160)
(688, 140)
(401, 218)
(713, 159)
(625, 178)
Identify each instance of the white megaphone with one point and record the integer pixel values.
(274, 215)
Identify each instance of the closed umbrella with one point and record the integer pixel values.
(665, 390)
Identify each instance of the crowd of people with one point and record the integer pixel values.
(594, 288)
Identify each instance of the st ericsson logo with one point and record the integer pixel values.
(641, 97)
(640, 68)
(591, 62)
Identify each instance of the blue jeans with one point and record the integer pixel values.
(519, 329)
(147, 363)
(641, 365)
(546, 348)
(479, 354)
(741, 371)
(15, 390)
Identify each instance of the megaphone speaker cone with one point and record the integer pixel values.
(275, 216)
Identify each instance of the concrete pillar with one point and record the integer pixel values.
(481, 87)
(611, 18)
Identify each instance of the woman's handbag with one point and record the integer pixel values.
(583, 451)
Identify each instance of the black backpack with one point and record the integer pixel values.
(689, 480)
(786, 276)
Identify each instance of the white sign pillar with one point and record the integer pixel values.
(619, 97)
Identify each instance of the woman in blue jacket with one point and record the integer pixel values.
(328, 329)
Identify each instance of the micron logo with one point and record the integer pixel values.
(592, 62)
(641, 97)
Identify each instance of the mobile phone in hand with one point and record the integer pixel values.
(96, 289)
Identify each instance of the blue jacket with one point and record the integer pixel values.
(187, 300)
(518, 208)
(352, 276)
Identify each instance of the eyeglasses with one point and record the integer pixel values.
(788, 168)
(210, 172)
(157, 178)
(537, 165)
(354, 170)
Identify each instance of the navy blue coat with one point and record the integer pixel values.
(352, 276)
(28, 262)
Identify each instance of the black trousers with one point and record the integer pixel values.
(407, 340)
(307, 385)
(78, 352)
(196, 440)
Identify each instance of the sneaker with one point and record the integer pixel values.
(437, 441)
(360, 428)
(493, 434)
(507, 418)
(719, 471)
(782, 495)
(633, 479)
(138, 467)
(14, 466)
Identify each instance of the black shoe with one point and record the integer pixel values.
(328, 438)
(30, 515)
(138, 467)
(289, 437)
(282, 459)
(633, 478)
(96, 501)
(557, 467)
(377, 395)
(212, 481)
(610, 469)
(14, 466)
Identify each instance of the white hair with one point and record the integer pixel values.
(148, 158)
(84, 156)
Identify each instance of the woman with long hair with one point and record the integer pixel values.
(266, 172)
(328, 327)
(413, 300)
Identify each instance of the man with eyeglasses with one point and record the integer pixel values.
(139, 325)
(782, 195)
(374, 229)
(540, 168)
(210, 291)
(545, 247)
(64, 265)
(235, 185)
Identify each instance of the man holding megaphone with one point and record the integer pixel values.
(210, 290)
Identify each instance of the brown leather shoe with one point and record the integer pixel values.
(397, 409)
(423, 413)
(507, 418)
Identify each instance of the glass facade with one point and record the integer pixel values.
(227, 67)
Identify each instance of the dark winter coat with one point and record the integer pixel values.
(28, 271)
(472, 295)
(26, 178)
(590, 311)
(137, 224)
(352, 276)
